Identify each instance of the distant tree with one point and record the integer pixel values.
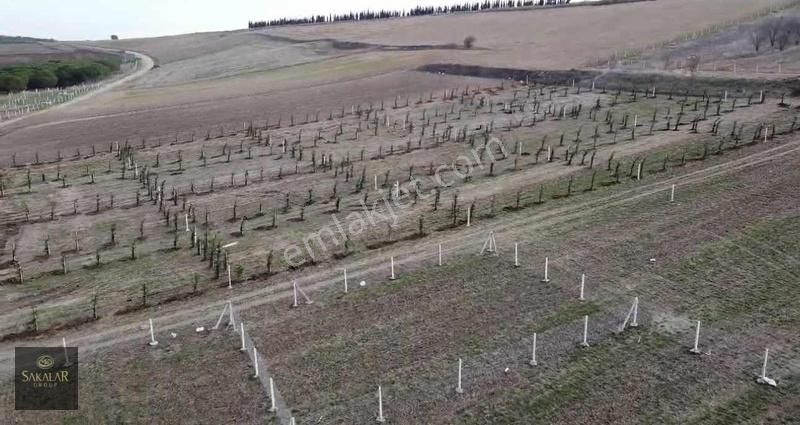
(42, 79)
(774, 28)
(469, 41)
(756, 38)
(12, 83)
(692, 63)
(783, 38)
(114, 37)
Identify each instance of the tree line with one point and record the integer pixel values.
(778, 31)
(55, 73)
(416, 11)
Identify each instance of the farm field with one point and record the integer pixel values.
(370, 223)
(135, 384)
(310, 76)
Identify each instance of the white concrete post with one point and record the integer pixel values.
(635, 321)
(392, 277)
(635, 120)
(583, 283)
(585, 342)
(459, 389)
(516, 255)
(440, 255)
(533, 352)
(725, 99)
(375, 180)
(546, 270)
(294, 293)
(345, 280)
(241, 331)
(639, 172)
(230, 282)
(272, 407)
(469, 216)
(696, 349)
(66, 354)
(153, 341)
(380, 406)
(255, 361)
(186, 220)
(764, 379)
(672, 194)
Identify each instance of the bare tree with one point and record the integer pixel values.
(756, 38)
(792, 27)
(692, 63)
(783, 38)
(774, 28)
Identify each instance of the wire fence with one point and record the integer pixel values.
(267, 381)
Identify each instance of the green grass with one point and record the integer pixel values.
(756, 405)
(759, 269)
(586, 369)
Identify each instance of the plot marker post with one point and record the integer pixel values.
(696, 348)
(380, 417)
(440, 255)
(583, 283)
(345, 280)
(153, 341)
(272, 407)
(241, 330)
(66, 354)
(255, 361)
(546, 270)
(516, 254)
(459, 389)
(672, 194)
(585, 342)
(764, 379)
(533, 352)
(392, 277)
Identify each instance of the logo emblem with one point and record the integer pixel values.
(45, 362)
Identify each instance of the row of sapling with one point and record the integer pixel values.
(221, 257)
(144, 173)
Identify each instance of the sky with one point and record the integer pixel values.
(98, 19)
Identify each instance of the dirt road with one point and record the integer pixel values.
(144, 65)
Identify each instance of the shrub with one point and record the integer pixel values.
(469, 41)
(42, 79)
